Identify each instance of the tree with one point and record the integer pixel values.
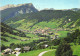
(73, 37)
(3, 47)
(12, 44)
(64, 49)
(56, 42)
(77, 41)
(22, 50)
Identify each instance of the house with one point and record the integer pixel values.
(14, 52)
(8, 50)
(44, 46)
(56, 37)
(24, 40)
(26, 48)
(5, 54)
(51, 38)
(17, 49)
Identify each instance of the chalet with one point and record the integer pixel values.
(28, 39)
(69, 19)
(56, 37)
(14, 52)
(5, 54)
(46, 34)
(24, 40)
(44, 46)
(8, 50)
(17, 49)
(26, 48)
(51, 37)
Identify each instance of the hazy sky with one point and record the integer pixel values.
(41, 4)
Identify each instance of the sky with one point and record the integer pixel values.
(41, 4)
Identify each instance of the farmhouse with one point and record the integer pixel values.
(17, 49)
(8, 50)
(23, 40)
(26, 48)
(44, 46)
(5, 54)
(56, 37)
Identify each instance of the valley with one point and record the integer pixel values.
(31, 32)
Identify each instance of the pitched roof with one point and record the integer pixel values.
(8, 49)
(17, 49)
(26, 48)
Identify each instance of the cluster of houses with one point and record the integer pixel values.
(47, 32)
(42, 31)
(9, 51)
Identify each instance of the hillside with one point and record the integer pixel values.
(46, 18)
(10, 11)
(9, 35)
(48, 32)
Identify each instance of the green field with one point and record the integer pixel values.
(50, 53)
(18, 41)
(76, 50)
(63, 33)
(33, 53)
(37, 29)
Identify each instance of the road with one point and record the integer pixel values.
(44, 52)
(17, 53)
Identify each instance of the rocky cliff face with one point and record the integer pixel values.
(9, 11)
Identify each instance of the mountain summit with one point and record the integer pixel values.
(10, 11)
(12, 6)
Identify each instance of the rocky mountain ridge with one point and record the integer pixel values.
(10, 11)
(12, 6)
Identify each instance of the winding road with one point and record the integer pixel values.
(44, 52)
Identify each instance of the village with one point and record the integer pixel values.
(24, 49)
(47, 33)
(17, 51)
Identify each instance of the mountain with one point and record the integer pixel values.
(10, 11)
(49, 9)
(75, 9)
(28, 29)
(45, 18)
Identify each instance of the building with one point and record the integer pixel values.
(44, 46)
(8, 50)
(26, 48)
(56, 37)
(17, 49)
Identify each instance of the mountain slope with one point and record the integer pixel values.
(8, 34)
(46, 18)
(10, 11)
